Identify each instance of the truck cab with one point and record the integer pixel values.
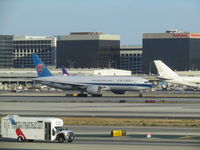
(63, 134)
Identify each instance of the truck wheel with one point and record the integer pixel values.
(61, 139)
(20, 139)
(70, 140)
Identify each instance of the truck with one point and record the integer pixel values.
(35, 128)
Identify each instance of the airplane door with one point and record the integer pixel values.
(47, 131)
(7, 127)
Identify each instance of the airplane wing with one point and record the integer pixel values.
(195, 82)
(73, 84)
(59, 82)
(163, 78)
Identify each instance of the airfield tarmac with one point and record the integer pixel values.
(98, 109)
(95, 137)
(98, 137)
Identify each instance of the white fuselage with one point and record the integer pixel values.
(168, 75)
(188, 81)
(112, 83)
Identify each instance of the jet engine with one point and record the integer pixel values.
(119, 92)
(94, 90)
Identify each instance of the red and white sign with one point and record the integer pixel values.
(148, 134)
(195, 35)
(181, 35)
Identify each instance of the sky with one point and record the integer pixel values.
(127, 18)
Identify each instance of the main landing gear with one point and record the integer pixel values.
(140, 94)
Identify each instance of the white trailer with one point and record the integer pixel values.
(35, 128)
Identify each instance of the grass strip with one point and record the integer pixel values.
(130, 122)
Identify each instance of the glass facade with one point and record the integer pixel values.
(131, 59)
(24, 48)
(109, 58)
(6, 51)
(179, 50)
(173, 52)
(84, 53)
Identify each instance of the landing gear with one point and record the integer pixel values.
(95, 95)
(140, 94)
(76, 95)
(82, 95)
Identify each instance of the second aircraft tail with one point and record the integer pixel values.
(64, 71)
(164, 70)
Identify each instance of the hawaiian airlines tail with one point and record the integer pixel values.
(64, 71)
(41, 68)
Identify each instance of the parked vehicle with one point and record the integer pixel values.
(35, 128)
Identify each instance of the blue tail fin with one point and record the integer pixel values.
(64, 71)
(41, 68)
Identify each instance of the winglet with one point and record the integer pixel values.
(64, 71)
(41, 68)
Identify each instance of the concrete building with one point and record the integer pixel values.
(83, 49)
(6, 51)
(111, 72)
(24, 46)
(131, 58)
(179, 50)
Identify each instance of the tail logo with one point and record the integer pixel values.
(40, 67)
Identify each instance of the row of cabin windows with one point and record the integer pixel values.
(125, 80)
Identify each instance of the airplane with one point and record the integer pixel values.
(167, 75)
(64, 71)
(92, 85)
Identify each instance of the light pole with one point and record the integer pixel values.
(71, 63)
(193, 67)
(150, 67)
(110, 63)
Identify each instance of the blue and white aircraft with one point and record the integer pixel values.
(93, 85)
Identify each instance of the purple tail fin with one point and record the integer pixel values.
(64, 71)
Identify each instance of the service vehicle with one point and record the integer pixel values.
(35, 128)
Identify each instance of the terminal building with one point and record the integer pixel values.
(24, 46)
(179, 50)
(131, 58)
(84, 49)
(109, 58)
(6, 51)
(125, 58)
